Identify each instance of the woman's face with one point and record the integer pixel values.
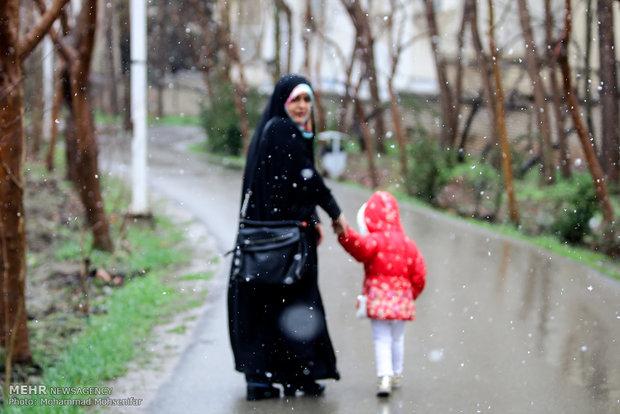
(299, 108)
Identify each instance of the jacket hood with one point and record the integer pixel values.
(381, 213)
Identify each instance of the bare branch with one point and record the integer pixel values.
(68, 52)
(36, 34)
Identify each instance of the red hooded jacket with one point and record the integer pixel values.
(395, 272)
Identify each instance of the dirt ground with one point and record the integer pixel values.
(56, 302)
(168, 340)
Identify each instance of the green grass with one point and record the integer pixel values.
(102, 351)
(107, 119)
(181, 329)
(181, 120)
(140, 250)
(74, 350)
(196, 276)
(176, 120)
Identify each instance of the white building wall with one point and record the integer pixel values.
(253, 28)
(416, 72)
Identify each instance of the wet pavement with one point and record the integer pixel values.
(502, 326)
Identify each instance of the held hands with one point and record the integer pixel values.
(340, 225)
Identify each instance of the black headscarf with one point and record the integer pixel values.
(280, 164)
(274, 108)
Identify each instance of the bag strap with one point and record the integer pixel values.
(272, 223)
(275, 223)
(251, 178)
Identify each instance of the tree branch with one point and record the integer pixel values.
(36, 34)
(68, 52)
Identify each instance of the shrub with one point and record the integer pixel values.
(576, 204)
(485, 183)
(428, 168)
(221, 122)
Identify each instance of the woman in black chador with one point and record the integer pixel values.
(278, 333)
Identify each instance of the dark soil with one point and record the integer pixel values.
(59, 293)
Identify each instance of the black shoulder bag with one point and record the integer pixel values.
(269, 252)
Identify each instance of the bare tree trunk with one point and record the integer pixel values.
(86, 166)
(366, 135)
(88, 184)
(558, 101)
(207, 50)
(471, 9)
(309, 34)
(398, 128)
(110, 21)
(501, 122)
(282, 7)
(318, 64)
(56, 105)
(475, 107)
(277, 59)
(123, 17)
(396, 49)
(71, 136)
(458, 88)
(82, 163)
(538, 89)
(587, 71)
(610, 155)
(33, 98)
(160, 58)
(346, 99)
(13, 51)
(364, 37)
(34, 138)
(561, 53)
(12, 220)
(447, 98)
(560, 114)
(306, 35)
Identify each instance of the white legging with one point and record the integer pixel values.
(389, 339)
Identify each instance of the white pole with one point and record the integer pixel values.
(138, 107)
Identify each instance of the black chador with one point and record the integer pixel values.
(278, 333)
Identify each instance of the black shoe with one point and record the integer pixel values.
(262, 392)
(311, 388)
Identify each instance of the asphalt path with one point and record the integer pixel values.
(502, 327)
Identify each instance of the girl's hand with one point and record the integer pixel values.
(340, 225)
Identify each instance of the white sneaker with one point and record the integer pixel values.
(397, 381)
(384, 386)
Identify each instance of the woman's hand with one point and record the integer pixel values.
(319, 233)
(340, 225)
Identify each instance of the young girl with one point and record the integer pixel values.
(395, 274)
